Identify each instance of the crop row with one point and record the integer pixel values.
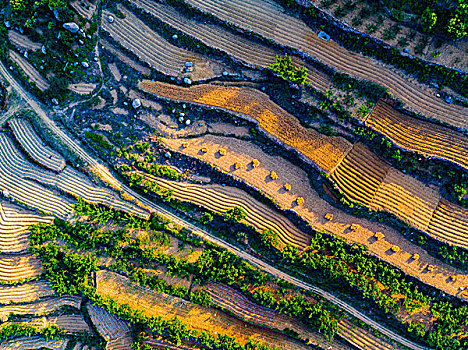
(29, 70)
(419, 136)
(109, 326)
(33, 343)
(25, 293)
(69, 180)
(153, 49)
(268, 19)
(219, 199)
(239, 48)
(326, 152)
(34, 147)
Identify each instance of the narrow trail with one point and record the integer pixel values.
(106, 176)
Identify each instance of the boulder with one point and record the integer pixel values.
(85, 64)
(43, 50)
(175, 37)
(56, 14)
(110, 19)
(71, 27)
(55, 101)
(188, 64)
(167, 155)
(7, 24)
(187, 81)
(225, 73)
(136, 103)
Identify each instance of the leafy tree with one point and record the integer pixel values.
(457, 26)
(206, 218)
(428, 19)
(236, 214)
(284, 68)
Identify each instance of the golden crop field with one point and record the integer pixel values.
(326, 152)
(419, 136)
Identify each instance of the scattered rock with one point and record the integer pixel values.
(187, 81)
(181, 119)
(167, 155)
(406, 50)
(110, 19)
(81, 42)
(187, 122)
(56, 14)
(175, 37)
(7, 24)
(225, 73)
(55, 101)
(25, 54)
(43, 50)
(71, 27)
(136, 103)
(188, 64)
(85, 64)
(96, 59)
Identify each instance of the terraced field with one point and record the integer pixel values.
(69, 181)
(40, 307)
(219, 199)
(248, 52)
(228, 298)
(360, 174)
(25, 293)
(14, 269)
(152, 303)
(84, 8)
(449, 224)
(409, 199)
(124, 58)
(29, 71)
(427, 139)
(69, 323)
(326, 152)
(34, 147)
(268, 19)
(108, 325)
(33, 343)
(22, 41)
(153, 49)
(82, 88)
(14, 223)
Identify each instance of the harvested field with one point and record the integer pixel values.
(230, 299)
(115, 72)
(315, 208)
(363, 339)
(14, 269)
(14, 223)
(69, 180)
(219, 199)
(34, 147)
(40, 307)
(30, 71)
(29, 192)
(22, 41)
(152, 303)
(268, 19)
(124, 58)
(82, 88)
(153, 49)
(123, 343)
(428, 139)
(69, 323)
(326, 152)
(360, 174)
(25, 293)
(84, 8)
(409, 199)
(449, 224)
(240, 49)
(33, 343)
(109, 326)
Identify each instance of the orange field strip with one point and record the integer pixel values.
(270, 20)
(360, 175)
(326, 152)
(419, 136)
